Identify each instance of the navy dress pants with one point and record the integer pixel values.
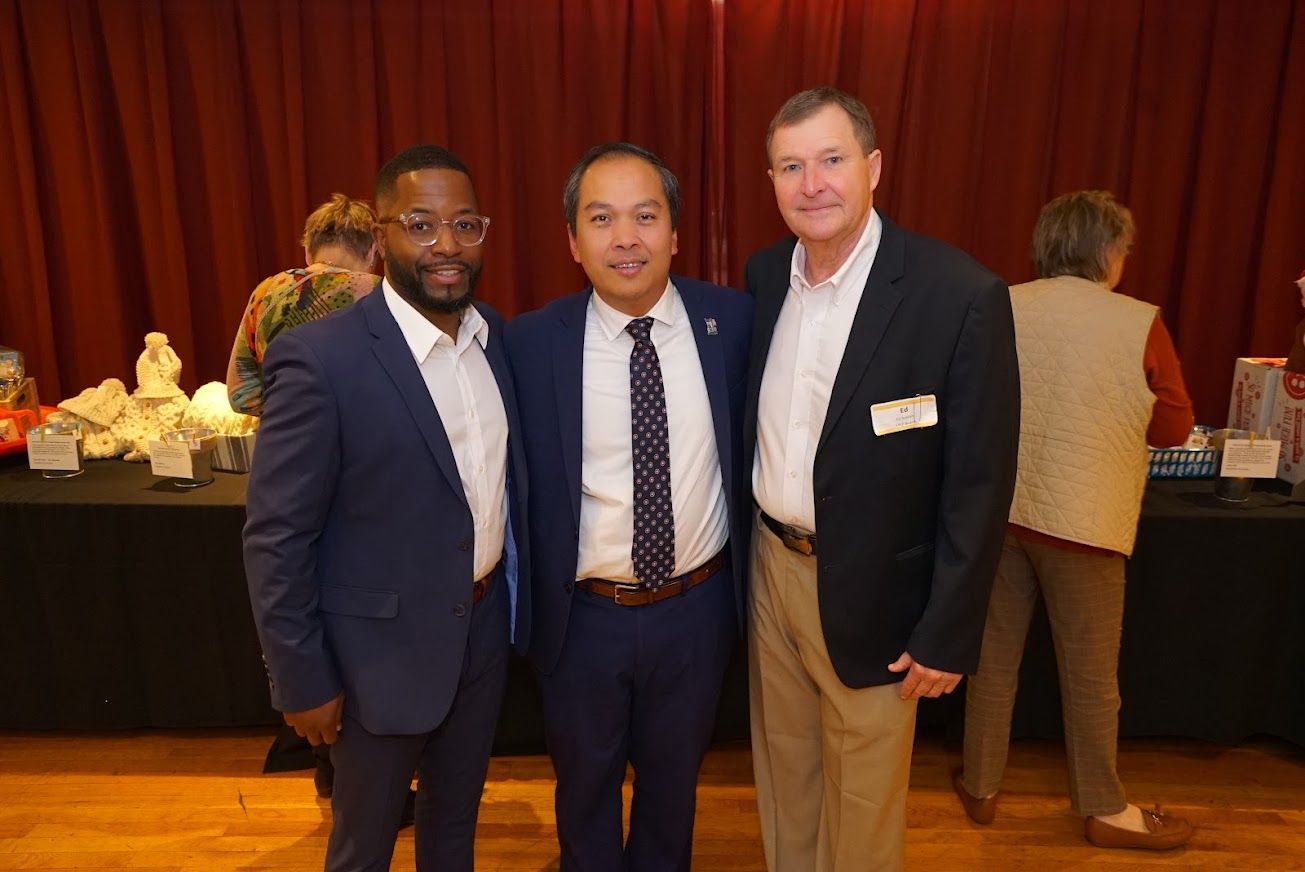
(636, 685)
(373, 773)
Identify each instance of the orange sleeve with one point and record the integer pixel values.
(1171, 416)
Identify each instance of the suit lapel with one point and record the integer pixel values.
(768, 300)
(498, 364)
(711, 356)
(568, 373)
(878, 303)
(392, 350)
(503, 377)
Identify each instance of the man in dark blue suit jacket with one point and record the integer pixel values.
(379, 549)
(631, 399)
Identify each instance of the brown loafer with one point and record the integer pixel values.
(1164, 832)
(981, 811)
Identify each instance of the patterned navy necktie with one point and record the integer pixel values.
(653, 546)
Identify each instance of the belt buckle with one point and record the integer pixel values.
(800, 544)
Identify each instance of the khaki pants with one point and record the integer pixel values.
(1085, 604)
(831, 763)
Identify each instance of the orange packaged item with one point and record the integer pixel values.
(17, 421)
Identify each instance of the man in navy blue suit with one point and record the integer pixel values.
(380, 548)
(631, 397)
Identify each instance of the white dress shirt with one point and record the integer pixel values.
(806, 350)
(469, 404)
(607, 472)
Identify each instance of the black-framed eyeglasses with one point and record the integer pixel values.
(423, 229)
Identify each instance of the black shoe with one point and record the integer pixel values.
(409, 810)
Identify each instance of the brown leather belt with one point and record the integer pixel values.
(792, 539)
(626, 595)
(481, 585)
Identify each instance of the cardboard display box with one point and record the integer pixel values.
(1255, 381)
(21, 396)
(1289, 425)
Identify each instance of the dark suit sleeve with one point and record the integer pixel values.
(291, 485)
(980, 410)
(749, 282)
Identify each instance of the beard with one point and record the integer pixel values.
(407, 282)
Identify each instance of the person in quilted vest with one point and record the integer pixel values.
(1100, 381)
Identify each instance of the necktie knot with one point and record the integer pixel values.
(640, 329)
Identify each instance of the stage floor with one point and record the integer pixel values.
(191, 800)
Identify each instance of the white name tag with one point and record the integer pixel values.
(906, 414)
(170, 459)
(1243, 458)
(53, 451)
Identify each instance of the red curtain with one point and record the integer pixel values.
(158, 157)
(1192, 111)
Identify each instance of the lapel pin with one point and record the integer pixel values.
(711, 327)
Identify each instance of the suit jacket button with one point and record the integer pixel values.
(568, 586)
(464, 544)
(459, 610)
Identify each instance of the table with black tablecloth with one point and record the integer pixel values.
(123, 602)
(123, 605)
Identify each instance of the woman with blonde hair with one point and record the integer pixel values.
(340, 251)
(1099, 381)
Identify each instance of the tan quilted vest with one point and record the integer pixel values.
(1085, 406)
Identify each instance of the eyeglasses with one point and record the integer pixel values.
(423, 229)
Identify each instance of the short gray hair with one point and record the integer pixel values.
(1077, 232)
(804, 104)
(571, 193)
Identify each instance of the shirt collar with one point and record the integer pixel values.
(422, 336)
(666, 310)
(865, 246)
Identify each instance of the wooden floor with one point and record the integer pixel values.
(197, 801)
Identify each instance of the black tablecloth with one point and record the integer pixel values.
(123, 604)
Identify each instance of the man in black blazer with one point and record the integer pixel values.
(883, 420)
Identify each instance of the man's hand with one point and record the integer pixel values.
(923, 681)
(321, 724)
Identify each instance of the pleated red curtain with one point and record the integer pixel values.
(1191, 111)
(157, 157)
